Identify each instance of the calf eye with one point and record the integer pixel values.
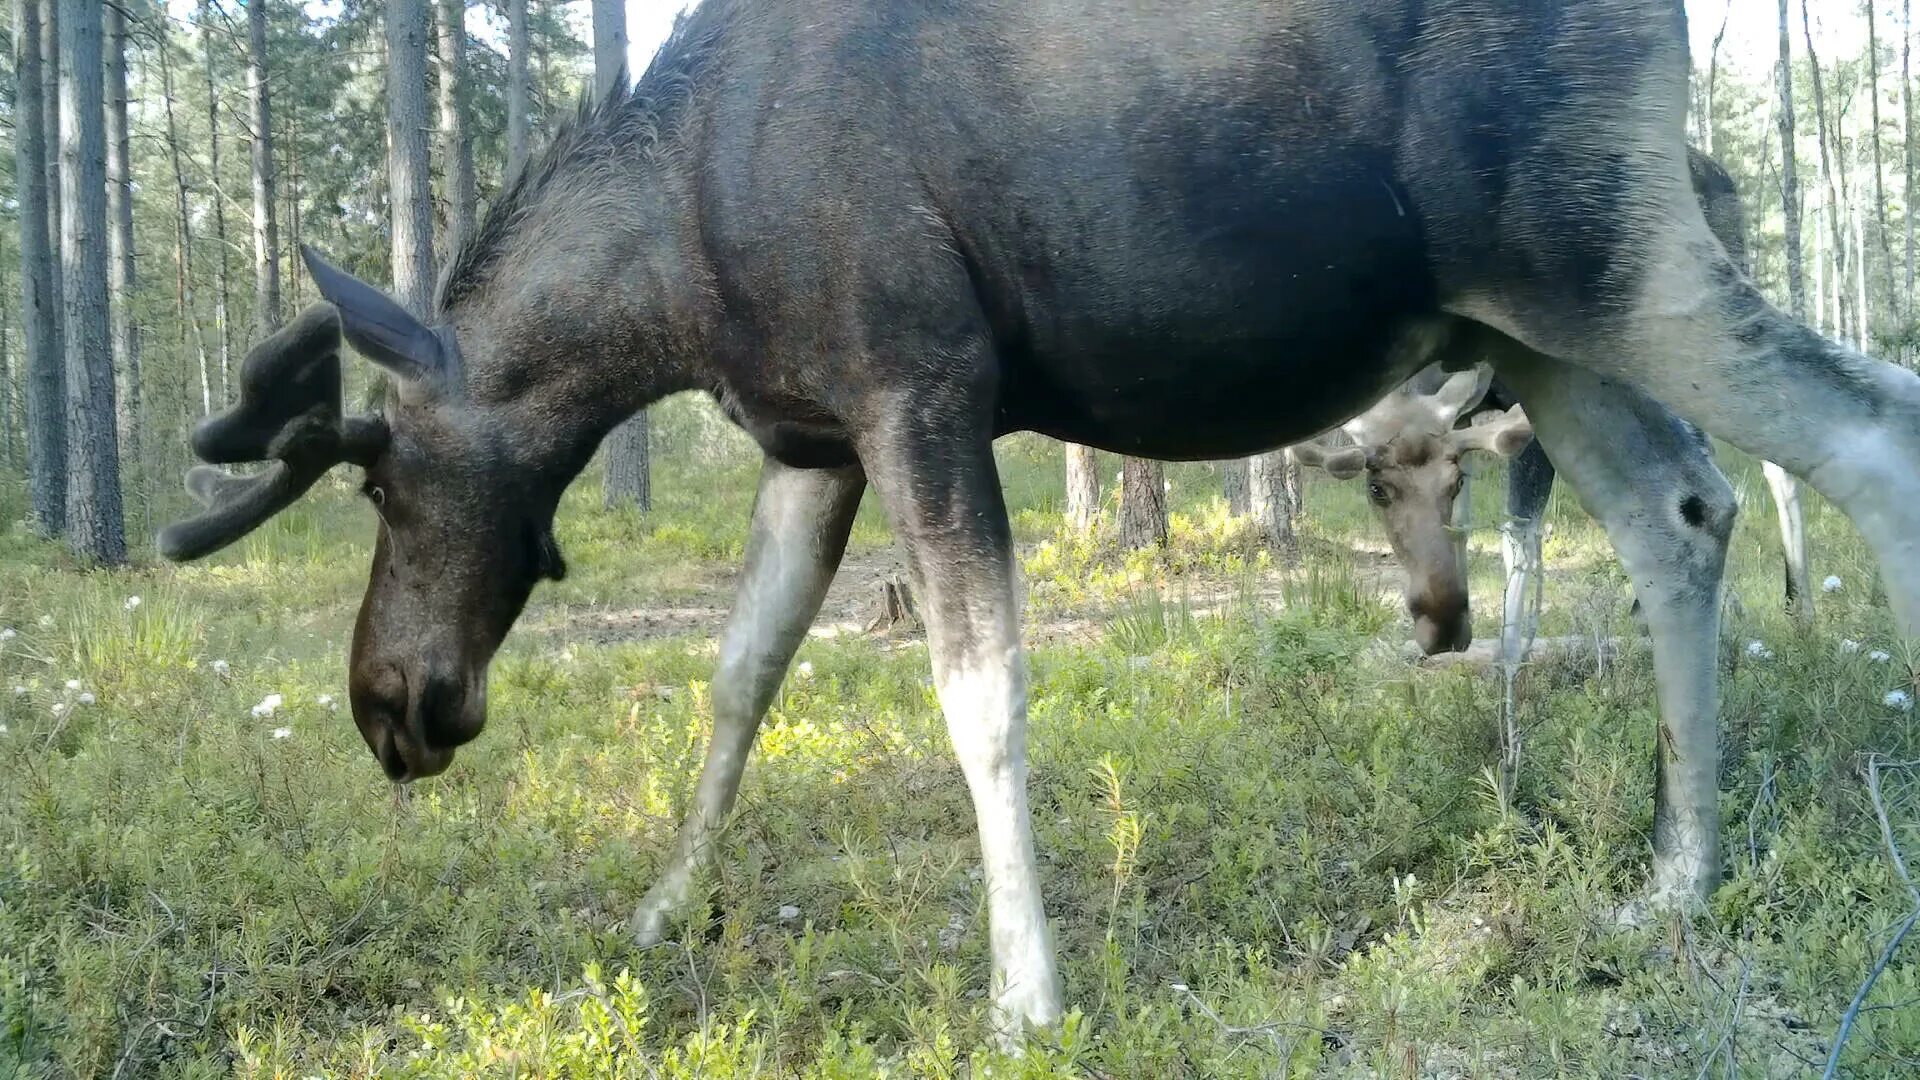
(1377, 493)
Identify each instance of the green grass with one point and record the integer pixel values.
(1270, 849)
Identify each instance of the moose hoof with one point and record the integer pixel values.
(648, 926)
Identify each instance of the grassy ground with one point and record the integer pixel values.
(1271, 848)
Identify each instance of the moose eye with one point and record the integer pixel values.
(374, 493)
(1377, 493)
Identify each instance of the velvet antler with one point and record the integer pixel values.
(289, 413)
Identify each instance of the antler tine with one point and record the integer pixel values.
(289, 412)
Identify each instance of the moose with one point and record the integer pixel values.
(883, 233)
(1411, 443)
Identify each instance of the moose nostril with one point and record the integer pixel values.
(388, 753)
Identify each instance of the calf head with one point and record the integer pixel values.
(1409, 451)
(465, 510)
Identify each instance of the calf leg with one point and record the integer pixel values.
(1793, 540)
(943, 494)
(1650, 481)
(1529, 483)
(801, 520)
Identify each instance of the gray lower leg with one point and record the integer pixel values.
(1669, 512)
(1529, 483)
(1793, 540)
(801, 519)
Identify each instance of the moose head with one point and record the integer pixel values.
(1410, 449)
(465, 500)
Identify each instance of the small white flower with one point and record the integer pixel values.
(132, 602)
(1759, 650)
(1848, 645)
(1178, 988)
(7, 633)
(1899, 699)
(3, 729)
(805, 670)
(1832, 584)
(788, 913)
(325, 701)
(46, 622)
(221, 669)
(59, 707)
(282, 732)
(267, 705)
(73, 684)
(86, 699)
(19, 691)
(1879, 656)
(1167, 486)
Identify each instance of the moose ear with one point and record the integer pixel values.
(376, 325)
(1505, 433)
(1462, 391)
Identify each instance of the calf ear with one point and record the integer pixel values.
(1459, 393)
(377, 326)
(1343, 463)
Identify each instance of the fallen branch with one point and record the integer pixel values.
(1900, 933)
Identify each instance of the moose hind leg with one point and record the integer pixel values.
(1793, 540)
(1650, 481)
(801, 520)
(1529, 483)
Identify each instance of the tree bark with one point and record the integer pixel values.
(1083, 487)
(222, 288)
(409, 173)
(266, 234)
(1907, 147)
(456, 149)
(1143, 504)
(1234, 481)
(46, 410)
(1879, 158)
(126, 334)
(518, 92)
(628, 467)
(50, 109)
(1789, 178)
(96, 531)
(1272, 504)
(6, 383)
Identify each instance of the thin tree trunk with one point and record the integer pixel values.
(293, 193)
(1234, 478)
(183, 236)
(1789, 178)
(1083, 487)
(46, 409)
(126, 334)
(6, 383)
(1879, 160)
(1143, 504)
(1835, 229)
(456, 148)
(1906, 145)
(96, 530)
(1711, 137)
(222, 290)
(628, 466)
(409, 171)
(266, 235)
(1862, 304)
(1272, 506)
(518, 92)
(50, 109)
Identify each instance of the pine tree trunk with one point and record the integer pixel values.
(50, 109)
(456, 147)
(1083, 487)
(126, 334)
(1143, 504)
(222, 289)
(1835, 230)
(1789, 176)
(1272, 505)
(518, 101)
(46, 408)
(292, 149)
(1879, 159)
(409, 172)
(189, 312)
(628, 467)
(1907, 147)
(6, 383)
(96, 531)
(1234, 481)
(266, 234)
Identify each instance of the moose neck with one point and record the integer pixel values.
(584, 325)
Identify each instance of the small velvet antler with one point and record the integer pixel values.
(289, 413)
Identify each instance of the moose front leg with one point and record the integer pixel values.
(1529, 483)
(801, 520)
(943, 495)
(1650, 481)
